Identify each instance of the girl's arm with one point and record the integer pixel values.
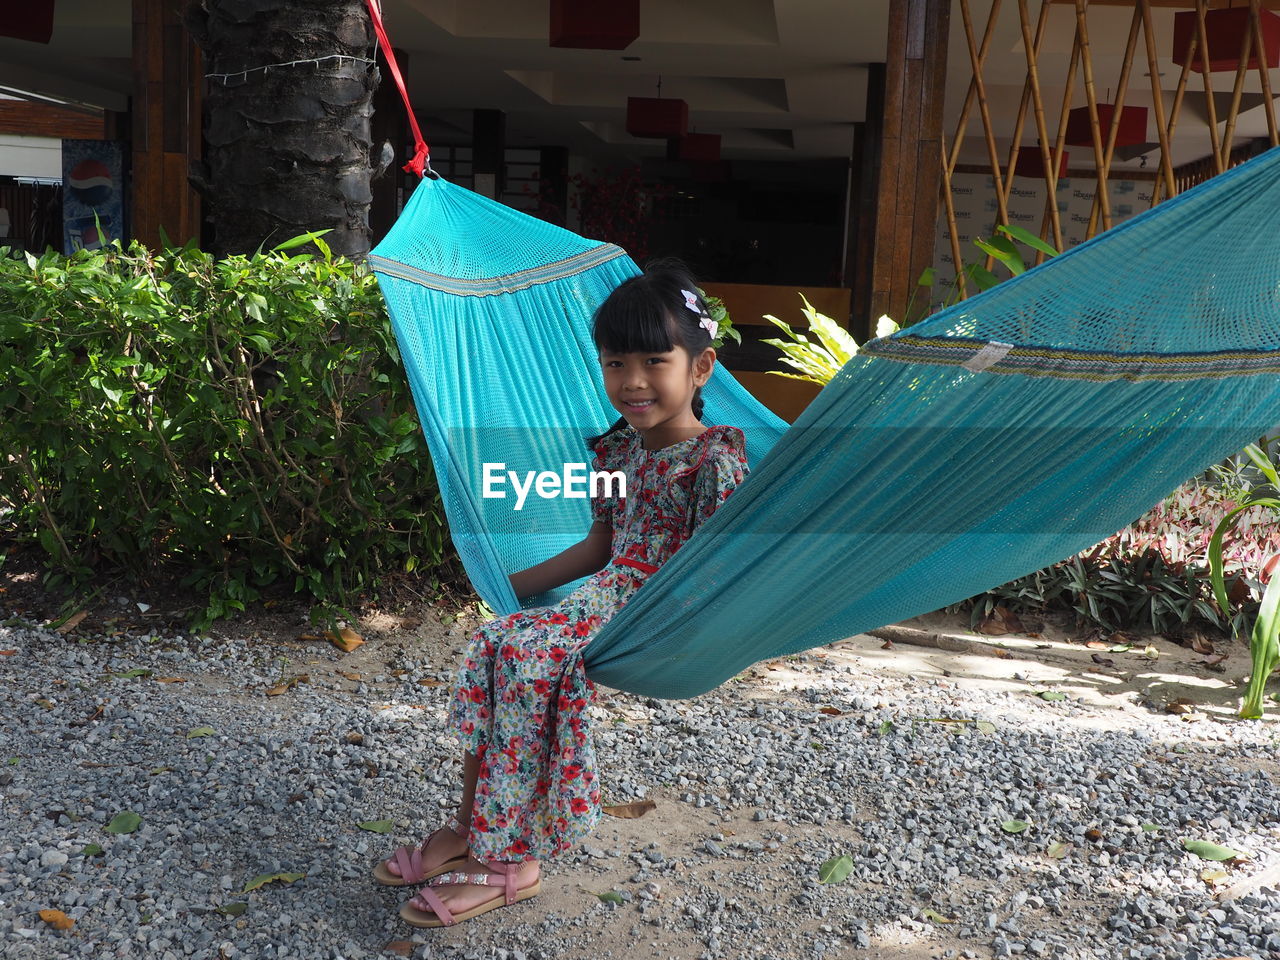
(580, 560)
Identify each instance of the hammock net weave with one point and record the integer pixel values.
(1000, 435)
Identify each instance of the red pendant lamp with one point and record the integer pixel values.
(695, 147)
(32, 21)
(1031, 164)
(663, 117)
(1132, 129)
(595, 24)
(1225, 31)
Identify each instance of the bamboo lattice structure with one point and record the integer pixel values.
(1143, 45)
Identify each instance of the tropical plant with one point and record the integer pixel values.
(1264, 641)
(819, 361)
(1001, 248)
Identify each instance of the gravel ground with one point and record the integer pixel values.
(757, 785)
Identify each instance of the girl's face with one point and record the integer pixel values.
(654, 391)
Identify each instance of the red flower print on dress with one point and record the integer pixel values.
(477, 694)
(579, 806)
(571, 772)
(541, 686)
(479, 823)
(559, 653)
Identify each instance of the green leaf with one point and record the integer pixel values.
(1014, 826)
(1058, 850)
(233, 909)
(263, 879)
(983, 278)
(928, 278)
(885, 727)
(1004, 251)
(300, 240)
(131, 674)
(1151, 827)
(91, 850)
(1264, 649)
(835, 870)
(1263, 463)
(200, 732)
(1051, 695)
(1030, 239)
(934, 917)
(376, 826)
(124, 823)
(610, 897)
(1210, 851)
(985, 726)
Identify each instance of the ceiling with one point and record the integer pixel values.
(775, 78)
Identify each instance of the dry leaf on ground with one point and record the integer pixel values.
(630, 811)
(345, 639)
(72, 622)
(287, 685)
(57, 919)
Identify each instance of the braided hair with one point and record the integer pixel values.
(650, 313)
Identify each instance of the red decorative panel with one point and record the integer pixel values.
(1225, 30)
(1030, 163)
(28, 20)
(594, 24)
(657, 117)
(1133, 125)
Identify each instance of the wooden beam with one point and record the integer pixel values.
(167, 84)
(905, 174)
(33, 118)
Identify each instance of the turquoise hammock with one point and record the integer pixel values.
(1001, 435)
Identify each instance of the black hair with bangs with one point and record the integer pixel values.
(649, 313)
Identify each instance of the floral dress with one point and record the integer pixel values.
(521, 700)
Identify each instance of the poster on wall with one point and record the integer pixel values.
(93, 193)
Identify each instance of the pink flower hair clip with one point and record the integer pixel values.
(691, 301)
(710, 326)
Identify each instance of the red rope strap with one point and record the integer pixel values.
(421, 154)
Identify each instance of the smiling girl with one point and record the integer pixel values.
(530, 787)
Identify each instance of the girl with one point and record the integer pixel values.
(530, 788)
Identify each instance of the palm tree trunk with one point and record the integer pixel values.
(287, 143)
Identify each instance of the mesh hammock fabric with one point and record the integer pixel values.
(998, 436)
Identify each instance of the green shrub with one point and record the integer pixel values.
(246, 419)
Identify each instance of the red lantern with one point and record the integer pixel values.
(657, 117)
(1225, 31)
(1031, 164)
(695, 147)
(28, 21)
(1132, 129)
(595, 25)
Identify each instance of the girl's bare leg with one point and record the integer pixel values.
(462, 897)
(446, 845)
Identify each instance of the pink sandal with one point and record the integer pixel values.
(409, 861)
(428, 910)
